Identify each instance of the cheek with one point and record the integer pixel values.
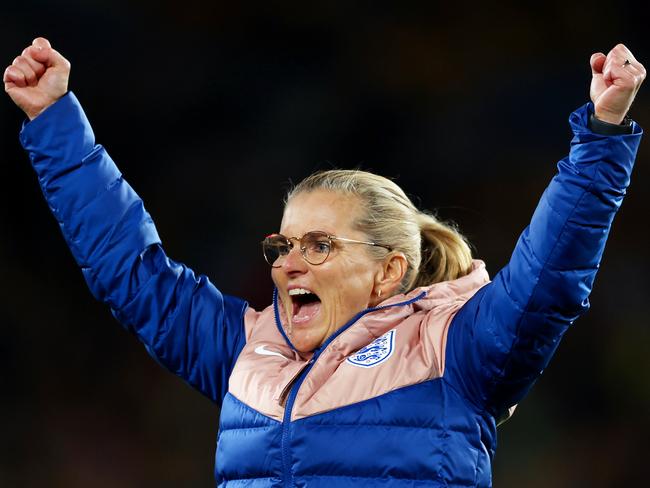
(359, 292)
(276, 276)
(352, 286)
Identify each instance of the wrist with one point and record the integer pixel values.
(608, 117)
(34, 110)
(608, 128)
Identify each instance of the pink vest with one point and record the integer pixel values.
(395, 346)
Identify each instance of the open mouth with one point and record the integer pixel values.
(305, 305)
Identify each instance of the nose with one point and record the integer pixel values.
(293, 262)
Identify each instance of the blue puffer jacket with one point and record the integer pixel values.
(405, 394)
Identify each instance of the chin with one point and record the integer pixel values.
(303, 342)
(303, 348)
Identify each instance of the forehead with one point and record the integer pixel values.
(324, 210)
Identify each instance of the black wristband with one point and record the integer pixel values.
(606, 129)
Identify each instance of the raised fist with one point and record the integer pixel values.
(37, 78)
(616, 77)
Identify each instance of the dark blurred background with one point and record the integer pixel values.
(210, 112)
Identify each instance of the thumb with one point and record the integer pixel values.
(597, 62)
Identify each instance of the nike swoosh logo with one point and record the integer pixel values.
(264, 352)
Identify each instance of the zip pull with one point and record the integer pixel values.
(282, 400)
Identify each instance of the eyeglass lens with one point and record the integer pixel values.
(314, 247)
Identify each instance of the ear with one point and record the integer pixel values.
(389, 278)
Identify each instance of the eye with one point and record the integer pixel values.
(282, 248)
(319, 246)
(278, 245)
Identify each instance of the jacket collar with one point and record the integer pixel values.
(381, 318)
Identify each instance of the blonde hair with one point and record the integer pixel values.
(435, 251)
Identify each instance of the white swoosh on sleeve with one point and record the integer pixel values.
(264, 352)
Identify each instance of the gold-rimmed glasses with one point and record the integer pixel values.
(315, 247)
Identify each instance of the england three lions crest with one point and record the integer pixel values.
(374, 353)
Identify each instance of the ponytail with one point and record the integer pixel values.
(445, 252)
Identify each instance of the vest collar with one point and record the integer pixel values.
(377, 320)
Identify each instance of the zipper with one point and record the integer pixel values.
(291, 390)
(285, 391)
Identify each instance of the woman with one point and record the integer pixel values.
(387, 357)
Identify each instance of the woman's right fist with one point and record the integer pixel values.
(37, 78)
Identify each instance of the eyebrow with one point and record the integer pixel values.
(313, 230)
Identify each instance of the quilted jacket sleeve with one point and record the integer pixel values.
(183, 320)
(504, 337)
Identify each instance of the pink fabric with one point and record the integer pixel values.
(262, 380)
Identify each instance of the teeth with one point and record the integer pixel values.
(299, 291)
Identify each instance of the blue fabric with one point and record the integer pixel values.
(182, 319)
(422, 435)
(504, 337)
(438, 433)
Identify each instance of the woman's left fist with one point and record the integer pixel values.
(615, 80)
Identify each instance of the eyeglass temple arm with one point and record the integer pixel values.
(335, 238)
